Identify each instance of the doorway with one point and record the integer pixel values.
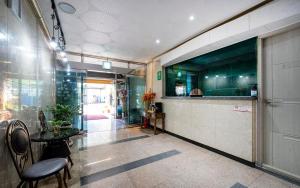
(99, 105)
(281, 108)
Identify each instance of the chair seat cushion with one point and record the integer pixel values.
(44, 168)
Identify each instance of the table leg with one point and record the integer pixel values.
(163, 124)
(154, 126)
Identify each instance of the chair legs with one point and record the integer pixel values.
(20, 184)
(70, 160)
(36, 184)
(59, 180)
(66, 172)
(31, 184)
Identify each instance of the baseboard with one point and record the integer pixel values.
(280, 174)
(230, 156)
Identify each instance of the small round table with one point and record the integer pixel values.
(57, 144)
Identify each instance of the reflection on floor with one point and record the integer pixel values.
(134, 157)
(109, 124)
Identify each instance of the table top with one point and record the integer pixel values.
(49, 136)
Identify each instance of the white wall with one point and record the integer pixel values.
(273, 16)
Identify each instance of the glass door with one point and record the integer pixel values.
(136, 89)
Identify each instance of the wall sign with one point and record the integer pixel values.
(159, 75)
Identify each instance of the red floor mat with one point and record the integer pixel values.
(95, 117)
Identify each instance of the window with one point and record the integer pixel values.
(230, 71)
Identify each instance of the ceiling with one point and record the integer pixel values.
(128, 29)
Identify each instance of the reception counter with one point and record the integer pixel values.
(213, 98)
(224, 124)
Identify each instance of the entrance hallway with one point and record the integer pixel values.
(108, 124)
(133, 157)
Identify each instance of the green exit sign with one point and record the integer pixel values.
(159, 75)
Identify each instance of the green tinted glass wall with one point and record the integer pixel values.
(230, 71)
(69, 88)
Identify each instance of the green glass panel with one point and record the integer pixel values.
(230, 71)
(136, 89)
(69, 88)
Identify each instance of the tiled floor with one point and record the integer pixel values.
(127, 158)
(109, 124)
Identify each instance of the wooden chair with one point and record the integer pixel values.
(19, 145)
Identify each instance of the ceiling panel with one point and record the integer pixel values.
(127, 29)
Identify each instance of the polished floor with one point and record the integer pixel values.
(101, 125)
(135, 158)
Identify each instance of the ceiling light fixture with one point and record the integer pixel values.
(53, 43)
(157, 41)
(106, 65)
(191, 18)
(57, 41)
(66, 7)
(2, 36)
(62, 53)
(65, 59)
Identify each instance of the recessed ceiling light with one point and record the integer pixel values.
(66, 7)
(191, 18)
(2, 36)
(157, 41)
(65, 59)
(62, 53)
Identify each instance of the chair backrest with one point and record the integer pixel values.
(42, 119)
(19, 144)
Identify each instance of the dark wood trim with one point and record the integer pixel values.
(216, 25)
(105, 58)
(238, 159)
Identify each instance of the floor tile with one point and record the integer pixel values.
(194, 167)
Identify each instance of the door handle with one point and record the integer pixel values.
(268, 101)
(273, 102)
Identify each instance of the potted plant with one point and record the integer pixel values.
(63, 114)
(56, 126)
(148, 98)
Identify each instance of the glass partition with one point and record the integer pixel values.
(230, 71)
(136, 89)
(69, 89)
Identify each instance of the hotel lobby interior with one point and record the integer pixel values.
(150, 93)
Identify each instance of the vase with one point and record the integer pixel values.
(146, 105)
